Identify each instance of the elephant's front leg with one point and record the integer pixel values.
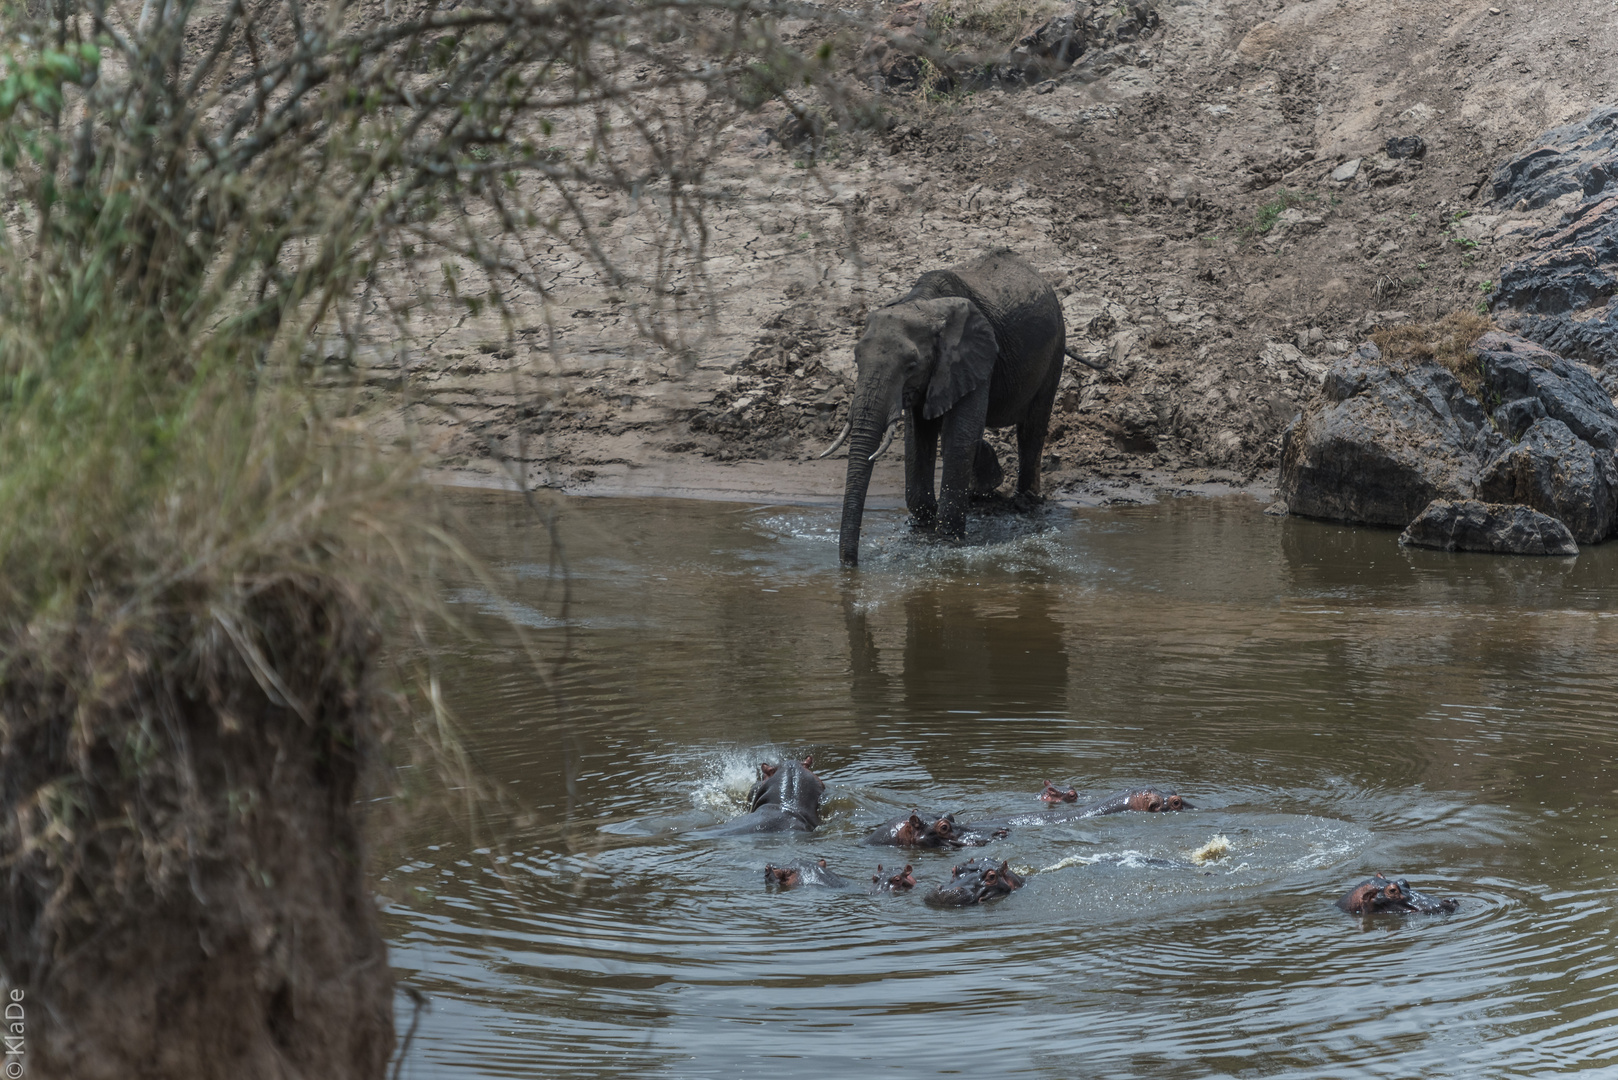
(921, 448)
(962, 431)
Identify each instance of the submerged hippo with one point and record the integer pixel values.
(902, 881)
(1378, 894)
(1054, 794)
(934, 831)
(974, 883)
(803, 872)
(785, 799)
(1149, 800)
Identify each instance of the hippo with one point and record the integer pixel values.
(786, 798)
(903, 881)
(1376, 895)
(1054, 794)
(1147, 799)
(803, 872)
(975, 882)
(934, 831)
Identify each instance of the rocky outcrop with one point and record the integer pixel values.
(1470, 525)
(1057, 44)
(893, 59)
(1533, 381)
(1553, 470)
(1562, 294)
(1572, 158)
(1382, 442)
(1379, 443)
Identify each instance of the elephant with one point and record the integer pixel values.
(977, 346)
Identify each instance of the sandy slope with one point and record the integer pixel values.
(1137, 183)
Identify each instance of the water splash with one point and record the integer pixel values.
(726, 780)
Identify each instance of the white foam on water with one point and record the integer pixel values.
(1132, 859)
(726, 780)
(1215, 849)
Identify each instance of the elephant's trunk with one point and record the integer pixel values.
(869, 416)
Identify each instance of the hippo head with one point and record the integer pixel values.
(976, 882)
(1377, 895)
(783, 877)
(1154, 801)
(902, 881)
(916, 831)
(1054, 794)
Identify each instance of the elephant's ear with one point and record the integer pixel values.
(966, 354)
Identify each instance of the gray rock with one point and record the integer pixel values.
(1517, 369)
(1379, 443)
(1557, 473)
(1573, 157)
(1346, 171)
(1593, 339)
(1515, 417)
(1574, 264)
(1407, 146)
(1470, 525)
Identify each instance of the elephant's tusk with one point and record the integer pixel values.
(887, 440)
(839, 441)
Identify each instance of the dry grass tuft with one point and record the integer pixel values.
(985, 23)
(1447, 341)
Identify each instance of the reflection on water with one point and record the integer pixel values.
(1333, 705)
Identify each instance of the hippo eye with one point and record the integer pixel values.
(990, 878)
(1392, 892)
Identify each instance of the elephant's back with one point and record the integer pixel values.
(1027, 321)
(1007, 288)
(1018, 303)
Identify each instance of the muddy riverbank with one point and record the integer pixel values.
(1214, 202)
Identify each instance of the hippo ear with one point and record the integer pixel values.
(966, 353)
(766, 770)
(809, 761)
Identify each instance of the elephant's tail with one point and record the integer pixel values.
(1087, 363)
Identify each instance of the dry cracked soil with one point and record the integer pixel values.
(1214, 202)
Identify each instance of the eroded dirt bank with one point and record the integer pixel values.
(1213, 201)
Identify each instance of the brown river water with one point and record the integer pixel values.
(1331, 704)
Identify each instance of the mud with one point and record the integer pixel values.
(1215, 203)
